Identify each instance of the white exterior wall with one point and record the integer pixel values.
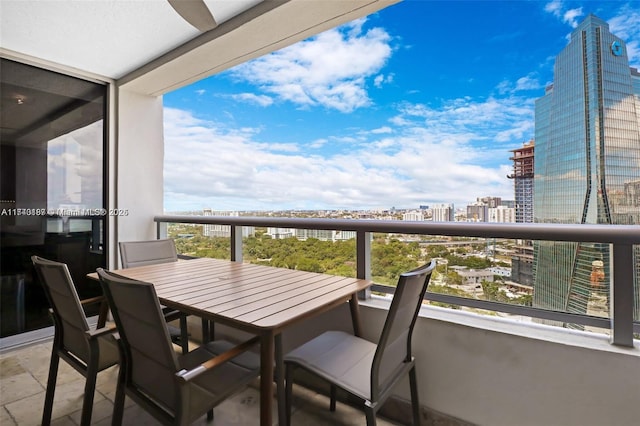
(502, 214)
(281, 233)
(499, 372)
(140, 161)
(413, 216)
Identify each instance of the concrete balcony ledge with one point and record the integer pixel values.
(523, 327)
(501, 371)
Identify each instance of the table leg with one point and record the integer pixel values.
(282, 414)
(266, 377)
(208, 332)
(355, 314)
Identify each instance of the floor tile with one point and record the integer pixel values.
(10, 366)
(68, 399)
(19, 386)
(101, 410)
(5, 418)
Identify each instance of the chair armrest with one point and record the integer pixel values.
(92, 300)
(172, 314)
(188, 375)
(94, 334)
(104, 308)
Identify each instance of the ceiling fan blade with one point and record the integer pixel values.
(194, 12)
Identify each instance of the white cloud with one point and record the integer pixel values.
(329, 70)
(554, 7)
(318, 143)
(380, 130)
(569, 16)
(572, 16)
(528, 82)
(464, 116)
(626, 25)
(382, 79)
(431, 158)
(200, 92)
(261, 100)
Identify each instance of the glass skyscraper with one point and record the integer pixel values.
(587, 166)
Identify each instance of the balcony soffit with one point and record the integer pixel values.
(108, 38)
(149, 47)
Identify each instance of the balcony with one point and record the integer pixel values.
(472, 369)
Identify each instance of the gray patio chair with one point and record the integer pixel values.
(153, 252)
(362, 368)
(87, 351)
(175, 389)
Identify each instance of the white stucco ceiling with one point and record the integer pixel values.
(105, 37)
(148, 47)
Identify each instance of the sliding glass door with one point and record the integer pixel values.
(52, 186)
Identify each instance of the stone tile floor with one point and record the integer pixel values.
(23, 378)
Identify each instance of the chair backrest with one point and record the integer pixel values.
(68, 315)
(151, 362)
(140, 253)
(394, 346)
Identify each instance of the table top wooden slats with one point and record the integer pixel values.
(256, 296)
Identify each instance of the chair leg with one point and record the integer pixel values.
(51, 388)
(184, 334)
(210, 415)
(288, 392)
(415, 402)
(89, 391)
(118, 401)
(371, 416)
(332, 395)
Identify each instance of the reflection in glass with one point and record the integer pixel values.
(51, 165)
(587, 167)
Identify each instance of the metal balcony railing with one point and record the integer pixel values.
(621, 239)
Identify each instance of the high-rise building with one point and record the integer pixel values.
(523, 174)
(502, 214)
(215, 230)
(443, 212)
(491, 202)
(587, 158)
(414, 215)
(477, 212)
(523, 169)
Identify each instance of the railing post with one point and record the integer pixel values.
(162, 230)
(363, 260)
(621, 295)
(236, 243)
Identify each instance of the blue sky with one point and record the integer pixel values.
(417, 104)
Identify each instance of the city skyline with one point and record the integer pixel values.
(384, 111)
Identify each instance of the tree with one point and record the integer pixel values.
(492, 292)
(437, 250)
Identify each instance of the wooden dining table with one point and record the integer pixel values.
(261, 300)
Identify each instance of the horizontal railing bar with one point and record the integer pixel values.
(617, 234)
(527, 311)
